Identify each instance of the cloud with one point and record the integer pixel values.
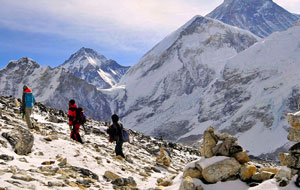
(291, 5)
(131, 25)
(128, 26)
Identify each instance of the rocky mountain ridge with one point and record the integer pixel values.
(54, 87)
(261, 17)
(89, 65)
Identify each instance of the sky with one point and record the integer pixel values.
(49, 31)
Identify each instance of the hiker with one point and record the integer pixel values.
(115, 134)
(75, 121)
(27, 105)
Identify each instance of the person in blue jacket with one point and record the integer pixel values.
(28, 101)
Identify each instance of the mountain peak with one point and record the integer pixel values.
(261, 17)
(23, 62)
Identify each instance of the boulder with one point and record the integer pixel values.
(268, 169)
(295, 149)
(187, 184)
(223, 149)
(294, 120)
(242, 157)
(193, 173)
(284, 174)
(221, 170)
(294, 135)
(25, 142)
(265, 175)
(209, 142)
(247, 171)
(257, 177)
(287, 159)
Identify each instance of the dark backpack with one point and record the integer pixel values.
(80, 116)
(125, 135)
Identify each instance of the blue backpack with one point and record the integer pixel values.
(125, 135)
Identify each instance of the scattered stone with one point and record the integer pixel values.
(16, 183)
(56, 184)
(63, 162)
(48, 163)
(22, 177)
(3, 143)
(85, 172)
(6, 157)
(23, 160)
(155, 169)
(124, 182)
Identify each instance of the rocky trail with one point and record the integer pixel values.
(46, 158)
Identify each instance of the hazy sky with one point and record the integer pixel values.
(49, 31)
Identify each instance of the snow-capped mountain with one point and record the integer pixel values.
(54, 87)
(93, 67)
(261, 17)
(163, 91)
(257, 88)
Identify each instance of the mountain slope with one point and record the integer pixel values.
(58, 162)
(163, 90)
(54, 87)
(261, 17)
(93, 67)
(257, 88)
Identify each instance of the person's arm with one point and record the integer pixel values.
(33, 99)
(23, 103)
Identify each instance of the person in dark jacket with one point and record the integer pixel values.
(115, 134)
(28, 101)
(73, 124)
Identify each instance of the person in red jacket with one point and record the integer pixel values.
(73, 124)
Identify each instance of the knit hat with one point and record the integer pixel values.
(25, 87)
